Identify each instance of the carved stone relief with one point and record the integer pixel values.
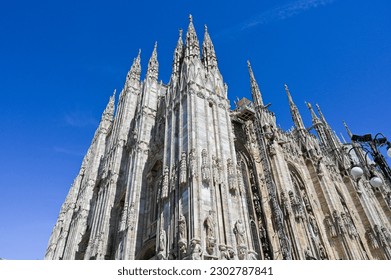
(183, 170)
(205, 171)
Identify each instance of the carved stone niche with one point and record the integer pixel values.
(205, 171)
(210, 240)
(231, 176)
(164, 189)
(183, 170)
(182, 228)
(330, 226)
(192, 163)
(372, 239)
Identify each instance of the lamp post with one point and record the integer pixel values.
(371, 146)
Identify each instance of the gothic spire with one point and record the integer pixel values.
(108, 114)
(178, 54)
(153, 64)
(315, 118)
(347, 129)
(208, 52)
(192, 44)
(135, 71)
(296, 117)
(255, 91)
(318, 126)
(109, 110)
(320, 114)
(334, 140)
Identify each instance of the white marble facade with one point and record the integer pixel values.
(173, 173)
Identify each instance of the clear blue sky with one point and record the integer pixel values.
(61, 60)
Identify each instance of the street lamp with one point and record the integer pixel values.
(371, 146)
(356, 172)
(374, 180)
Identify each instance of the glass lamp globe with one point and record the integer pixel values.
(375, 182)
(389, 152)
(356, 172)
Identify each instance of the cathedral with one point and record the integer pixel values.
(173, 173)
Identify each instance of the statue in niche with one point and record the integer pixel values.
(192, 163)
(372, 240)
(252, 178)
(330, 226)
(285, 204)
(313, 224)
(209, 225)
(257, 205)
(216, 170)
(338, 221)
(240, 177)
(306, 202)
(196, 250)
(349, 225)
(164, 192)
(131, 216)
(297, 206)
(205, 171)
(262, 230)
(239, 232)
(382, 238)
(183, 169)
(182, 228)
(318, 160)
(174, 178)
(123, 217)
(162, 244)
(386, 234)
(322, 252)
(231, 175)
(248, 128)
(267, 131)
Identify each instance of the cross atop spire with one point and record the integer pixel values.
(192, 44)
(255, 91)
